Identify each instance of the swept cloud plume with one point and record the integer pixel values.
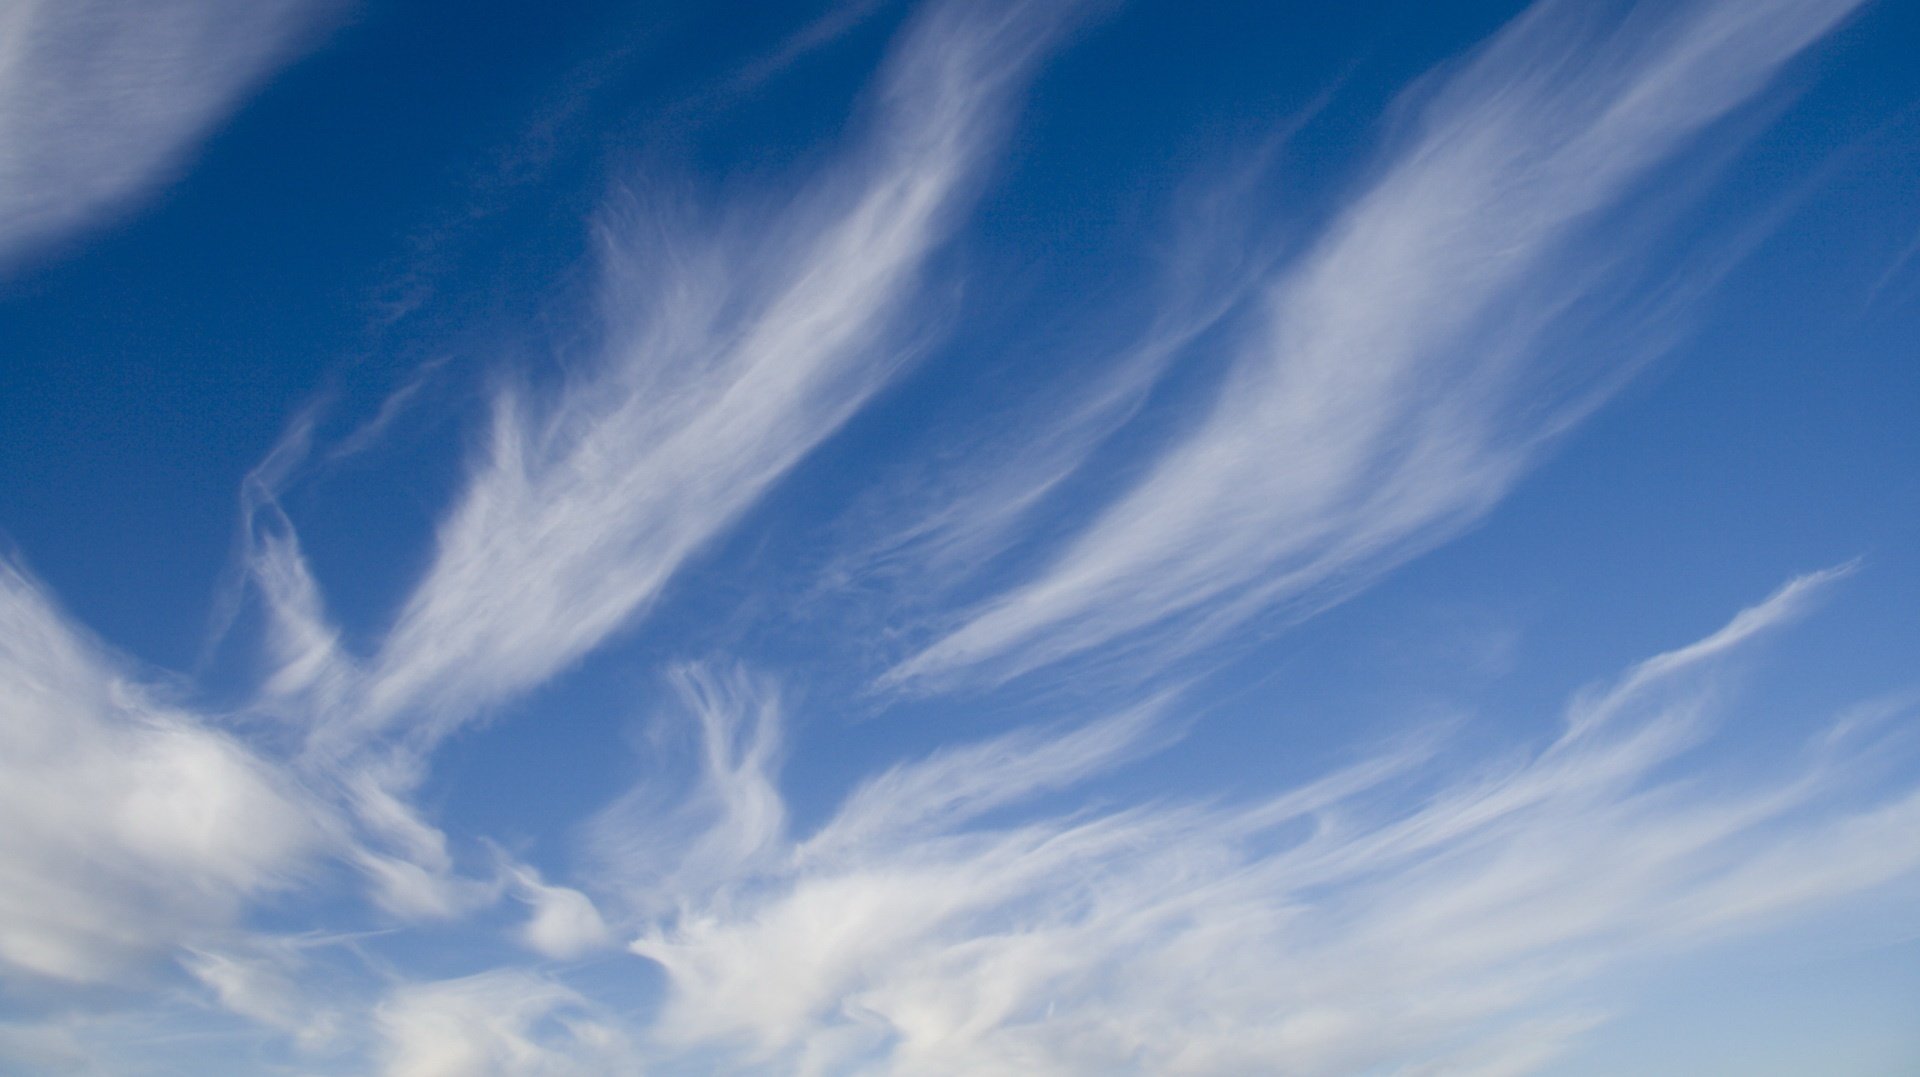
(732, 345)
(100, 100)
(1389, 915)
(560, 749)
(501, 1023)
(1397, 379)
(260, 980)
(730, 817)
(730, 354)
(132, 827)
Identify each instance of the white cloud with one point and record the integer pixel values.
(934, 524)
(497, 1023)
(1406, 911)
(131, 826)
(102, 99)
(1394, 914)
(732, 346)
(959, 785)
(732, 816)
(1403, 373)
(259, 979)
(729, 356)
(565, 923)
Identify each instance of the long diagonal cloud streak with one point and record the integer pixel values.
(1380, 403)
(731, 356)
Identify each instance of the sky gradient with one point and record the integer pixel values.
(971, 536)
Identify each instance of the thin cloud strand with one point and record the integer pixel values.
(1392, 390)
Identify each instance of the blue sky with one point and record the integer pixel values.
(1024, 536)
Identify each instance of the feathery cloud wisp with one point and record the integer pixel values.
(1386, 915)
(729, 356)
(301, 884)
(132, 827)
(505, 1022)
(1396, 383)
(100, 99)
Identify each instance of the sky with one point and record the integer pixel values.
(959, 537)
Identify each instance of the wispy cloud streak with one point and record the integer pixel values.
(102, 99)
(506, 1022)
(131, 826)
(730, 354)
(206, 890)
(1399, 378)
(1391, 914)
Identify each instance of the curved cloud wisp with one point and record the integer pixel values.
(132, 828)
(1228, 876)
(1389, 915)
(1390, 392)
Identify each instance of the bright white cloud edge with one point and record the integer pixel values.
(1401, 375)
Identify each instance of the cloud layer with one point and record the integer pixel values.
(278, 884)
(132, 827)
(1398, 912)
